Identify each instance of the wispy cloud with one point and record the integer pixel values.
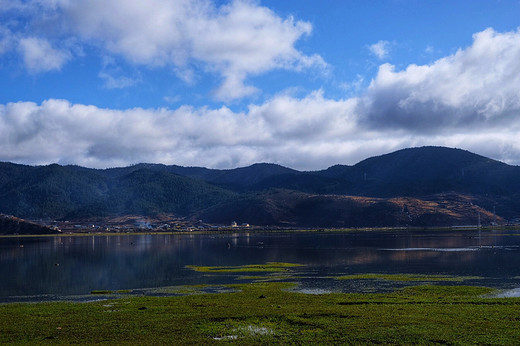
(172, 99)
(39, 56)
(116, 82)
(380, 49)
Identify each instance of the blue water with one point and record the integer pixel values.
(63, 266)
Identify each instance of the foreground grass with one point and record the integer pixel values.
(269, 313)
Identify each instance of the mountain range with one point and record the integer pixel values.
(427, 186)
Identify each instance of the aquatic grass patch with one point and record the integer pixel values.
(408, 277)
(252, 278)
(110, 292)
(268, 277)
(268, 272)
(269, 313)
(175, 290)
(446, 292)
(248, 268)
(184, 290)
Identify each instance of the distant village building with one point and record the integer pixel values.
(234, 224)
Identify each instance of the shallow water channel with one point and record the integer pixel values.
(48, 268)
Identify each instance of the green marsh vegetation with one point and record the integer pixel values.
(273, 313)
(269, 267)
(408, 277)
(269, 313)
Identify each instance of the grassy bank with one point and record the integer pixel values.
(271, 313)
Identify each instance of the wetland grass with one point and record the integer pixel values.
(268, 313)
(269, 267)
(271, 313)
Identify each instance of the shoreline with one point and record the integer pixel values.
(271, 230)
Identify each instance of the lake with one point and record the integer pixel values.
(47, 268)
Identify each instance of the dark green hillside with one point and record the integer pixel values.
(267, 194)
(290, 208)
(146, 192)
(195, 172)
(253, 209)
(305, 182)
(251, 175)
(428, 170)
(10, 171)
(13, 225)
(50, 191)
(237, 178)
(54, 191)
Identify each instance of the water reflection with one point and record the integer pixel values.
(79, 265)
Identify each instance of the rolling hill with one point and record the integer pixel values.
(416, 186)
(13, 225)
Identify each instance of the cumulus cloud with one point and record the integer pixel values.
(304, 133)
(282, 129)
(380, 49)
(233, 41)
(469, 100)
(476, 87)
(40, 56)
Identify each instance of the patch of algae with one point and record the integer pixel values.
(248, 268)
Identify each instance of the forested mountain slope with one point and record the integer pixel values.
(416, 186)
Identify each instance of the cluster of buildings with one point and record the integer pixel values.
(140, 225)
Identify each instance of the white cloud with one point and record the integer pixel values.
(380, 49)
(6, 40)
(429, 49)
(119, 82)
(476, 87)
(172, 99)
(40, 56)
(282, 130)
(469, 100)
(308, 133)
(233, 41)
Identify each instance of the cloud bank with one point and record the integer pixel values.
(233, 41)
(470, 99)
(475, 88)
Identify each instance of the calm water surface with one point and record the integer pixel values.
(62, 266)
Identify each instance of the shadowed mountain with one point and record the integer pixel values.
(249, 176)
(364, 194)
(13, 225)
(290, 208)
(427, 170)
(49, 191)
(67, 191)
(148, 192)
(238, 178)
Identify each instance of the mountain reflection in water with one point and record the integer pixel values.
(79, 265)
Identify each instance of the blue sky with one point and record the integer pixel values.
(305, 84)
